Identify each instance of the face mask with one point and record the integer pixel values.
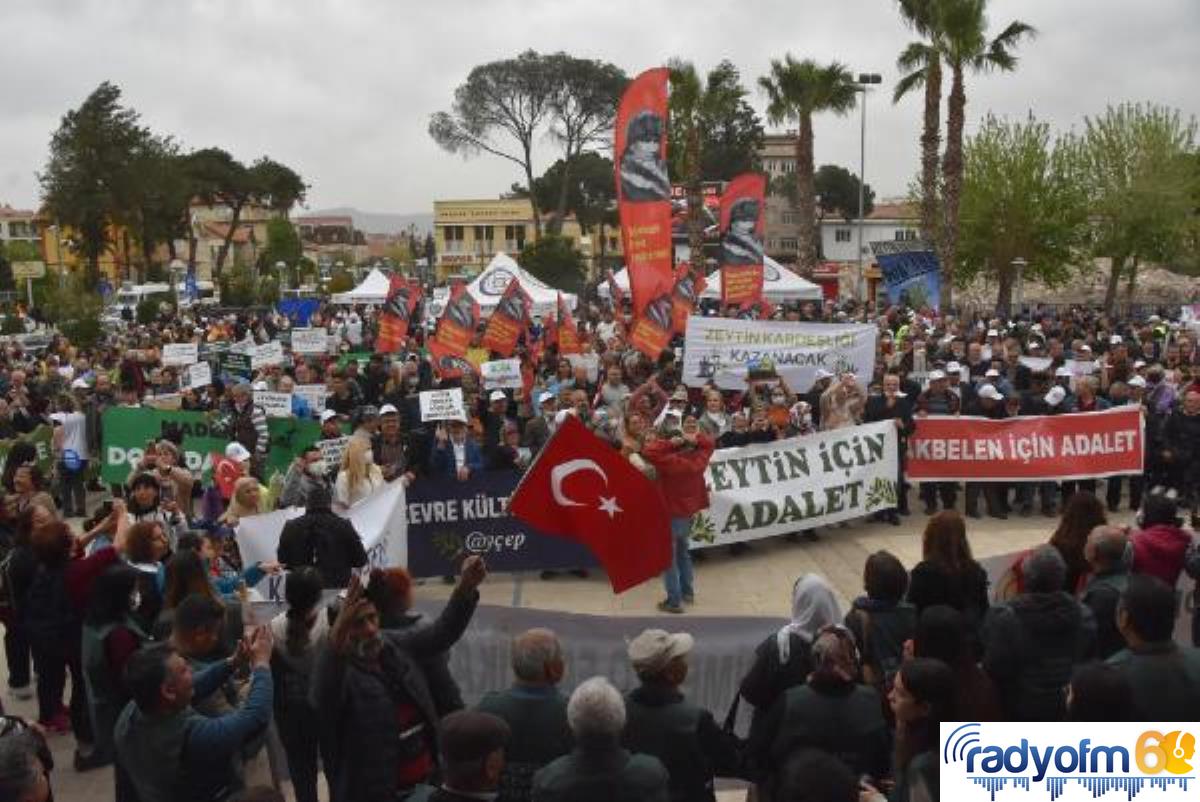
(317, 468)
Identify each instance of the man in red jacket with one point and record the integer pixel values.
(680, 456)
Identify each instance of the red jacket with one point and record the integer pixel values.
(1159, 551)
(681, 474)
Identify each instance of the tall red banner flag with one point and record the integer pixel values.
(643, 187)
(509, 319)
(688, 286)
(582, 489)
(568, 332)
(456, 328)
(403, 297)
(743, 212)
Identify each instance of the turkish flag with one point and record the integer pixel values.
(582, 489)
(225, 473)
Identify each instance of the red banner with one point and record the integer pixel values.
(509, 319)
(643, 188)
(446, 363)
(1050, 447)
(567, 331)
(688, 287)
(650, 335)
(743, 212)
(403, 297)
(456, 328)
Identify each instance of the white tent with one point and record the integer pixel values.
(489, 286)
(779, 284)
(373, 290)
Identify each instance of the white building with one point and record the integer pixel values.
(889, 220)
(20, 225)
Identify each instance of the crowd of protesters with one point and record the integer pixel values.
(129, 603)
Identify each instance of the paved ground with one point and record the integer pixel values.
(755, 583)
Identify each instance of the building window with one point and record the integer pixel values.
(514, 238)
(841, 235)
(788, 244)
(790, 218)
(905, 234)
(454, 238)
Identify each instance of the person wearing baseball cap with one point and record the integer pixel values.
(661, 722)
(539, 428)
(988, 402)
(938, 400)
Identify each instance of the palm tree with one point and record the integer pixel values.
(687, 114)
(920, 64)
(963, 42)
(797, 90)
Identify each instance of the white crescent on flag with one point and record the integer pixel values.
(559, 473)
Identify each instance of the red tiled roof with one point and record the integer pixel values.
(895, 211)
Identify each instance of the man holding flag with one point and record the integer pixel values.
(680, 457)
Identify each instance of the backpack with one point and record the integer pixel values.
(50, 618)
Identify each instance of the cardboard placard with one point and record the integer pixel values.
(266, 355)
(443, 405)
(180, 353)
(276, 405)
(332, 450)
(502, 374)
(199, 375)
(315, 395)
(310, 341)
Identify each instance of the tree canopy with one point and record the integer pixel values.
(554, 261)
(837, 192)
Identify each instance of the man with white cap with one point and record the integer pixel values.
(987, 403)
(388, 446)
(539, 428)
(938, 400)
(493, 414)
(661, 722)
(820, 384)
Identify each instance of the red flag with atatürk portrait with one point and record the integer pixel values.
(743, 212)
(582, 489)
(456, 328)
(644, 188)
(402, 299)
(688, 286)
(567, 331)
(508, 320)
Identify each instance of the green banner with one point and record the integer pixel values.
(235, 364)
(361, 357)
(40, 437)
(127, 432)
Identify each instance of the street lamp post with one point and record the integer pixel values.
(865, 80)
(62, 270)
(1019, 264)
(176, 269)
(280, 268)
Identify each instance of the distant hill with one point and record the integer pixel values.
(378, 222)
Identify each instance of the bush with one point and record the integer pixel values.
(340, 281)
(74, 311)
(147, 311)
(239, 287)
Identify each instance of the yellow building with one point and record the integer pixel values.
(468, 233)
(62, 254)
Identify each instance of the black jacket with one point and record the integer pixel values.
(877, 410)
(845, 720)
(880, 630)
(357, 709)
(601, 771)
(930, 584)
(1031, 646)
(1102, 595)
(540, 734)
(1165, 679)
(684, 736)
(767, 679)
(324, 541)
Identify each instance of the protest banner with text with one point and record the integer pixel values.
(180, 354)
(799, 483)
(911, 272)
(1058, 447)
(448, 519)
(502, 374)
(310, 341)
(722, 350)
(442, 405)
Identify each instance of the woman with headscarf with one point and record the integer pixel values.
(784, 660)
(832, 712)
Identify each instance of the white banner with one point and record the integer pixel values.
(502, 374)
(180, 353)
(378, 519)
(315, 395)
(199, 375)
(721, 350)
(590, 362)
(310, 341)
(443, 405)
(266, 355)
(276, 405)
(800, 483)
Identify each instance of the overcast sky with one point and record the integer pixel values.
(342, 91)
